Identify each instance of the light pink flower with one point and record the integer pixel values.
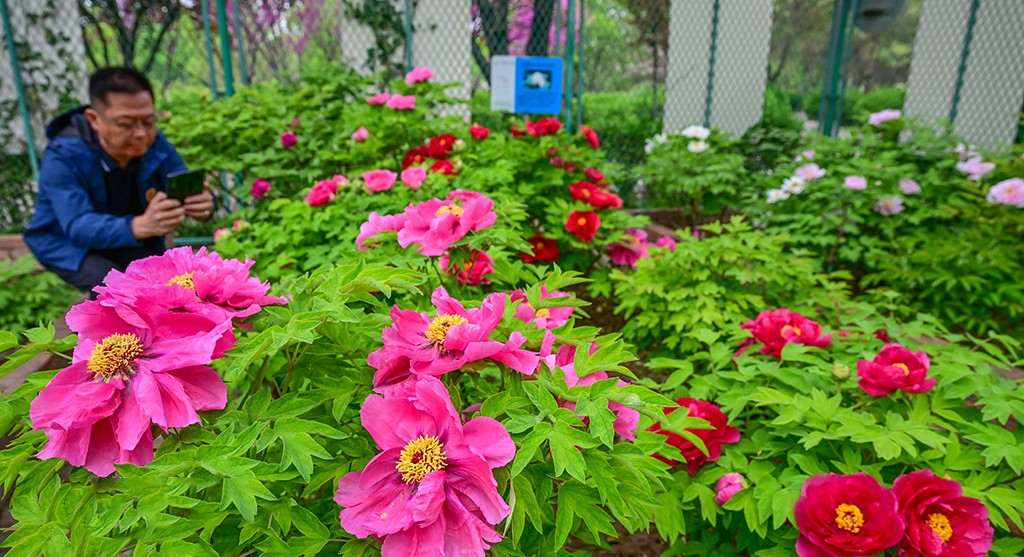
(965, 152)
(205, 279)
(260, 187)
(888, 207)
(417, 75)
(378, 99)
(975, 168)
(728, 485)
(666, 242)
(809, 172)
(544, 318)
(288, 140)
(417, 344)
(399, 102)
(809, 154)
(360, 135)
(378, 223)
(909, 186)
(855, 183)
(472, 272)
(631, 250)
(437, 224)
(1008, 192)
(626, 418)
(322, 193)
(414, 176)
(379, 180)
(129, 369)
(879, 118)
(430, 491)
(219, 233)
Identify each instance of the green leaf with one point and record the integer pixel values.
(242, 493)
(564, 451)
(528, 447)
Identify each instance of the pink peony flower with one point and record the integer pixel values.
(378, 99)
(417, 75)
(846, 516)
(889, 207)
(1007, 192)
(288, 140)
(975, 168)
(479, 132)
(379, 180)
(203, 278)
(378, 223)
(544, 318)
(728, 485)
(322, 193)
(472, 272)
(858, 183)
(431, 490)
(360, 135)
(809, 154)
(631, 250)
(895, 368)
(941, 522)
(398, 102)
(666, 242)
(437, 224)
(809, 172)
(129, 369)
(220, 233)
(909, 187)
(720, 434)
(879, 118)
(777, 328)
(417, 345)
(260, 187)
(414, 176)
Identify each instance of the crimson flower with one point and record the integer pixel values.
(777, 328)
(414, 156)
(591, 136)
(544, 250)
(544, 126)
(288, 140)
(479, 132)
(941, 522)
(895, 368)
(516, 131)
(583, 224)
(471, 272)
(557, 162)
(443, 167)
(594, 175)
(846, 516)
(441, 146)
(713, 439)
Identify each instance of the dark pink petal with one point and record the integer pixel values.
(72, 445)
(471, 476)
(103, 451)
(164, 400)
(466, 535)
(447, 305)
(418, 541)
(429, 499)
(73, 399)
(203, 388)
(132, 421)
(490, 440)
(362, 506)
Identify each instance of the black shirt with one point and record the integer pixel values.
(122, 185)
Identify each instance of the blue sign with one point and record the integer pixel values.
(530, 85)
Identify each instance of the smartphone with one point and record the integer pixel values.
(185, 183)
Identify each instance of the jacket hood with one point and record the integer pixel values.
(73, 123)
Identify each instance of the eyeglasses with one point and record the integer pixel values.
(148, 123)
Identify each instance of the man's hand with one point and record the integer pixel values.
(200, 205)
(162, 216)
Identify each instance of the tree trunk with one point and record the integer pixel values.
(540, 41)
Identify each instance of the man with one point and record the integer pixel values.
(102, 200)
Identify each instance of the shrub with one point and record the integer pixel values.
(30, 296)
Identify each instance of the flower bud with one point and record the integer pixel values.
(728, 485)
(840, 371)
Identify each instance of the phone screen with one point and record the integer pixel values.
(186, 183)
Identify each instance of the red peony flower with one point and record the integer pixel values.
(777, 328)
(416, 155)
(516, 131)
(544, 126)
(479, 132)
(557, 162)
(713, 438)
(544, 250)
(941, 522)
(443, 167)
(441, 146)
(593, 174)
(846, 516)
(570, 167)
(894, 368)
(591, 136)
(583, 224)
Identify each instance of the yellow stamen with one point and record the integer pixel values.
(794, 329)
(449, 208)
(184, 280)
(114, 356)
(383, 515)
(582, 221)
(906, 371)
(440, 326)
(940, 525)
(543, 312)
(849, 518)
(420, 457)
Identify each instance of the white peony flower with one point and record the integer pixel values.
(774, 196)
(697, 147)
(696, 132)
(793, 185)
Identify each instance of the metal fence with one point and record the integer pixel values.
(638, 67)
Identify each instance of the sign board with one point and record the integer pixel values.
(526, 85)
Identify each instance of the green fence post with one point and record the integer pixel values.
(833, 90)
(579, 77)
(570, 56)
(209, 48)
(408, 35)
(239, 33)
(30, 138)
(711, 66)
(558, 27)
(965, 53)
(225, 47)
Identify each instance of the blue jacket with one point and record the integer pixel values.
(70, 216)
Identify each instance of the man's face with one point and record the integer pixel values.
(125, 124)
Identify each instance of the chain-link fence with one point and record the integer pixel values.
(638, 67)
